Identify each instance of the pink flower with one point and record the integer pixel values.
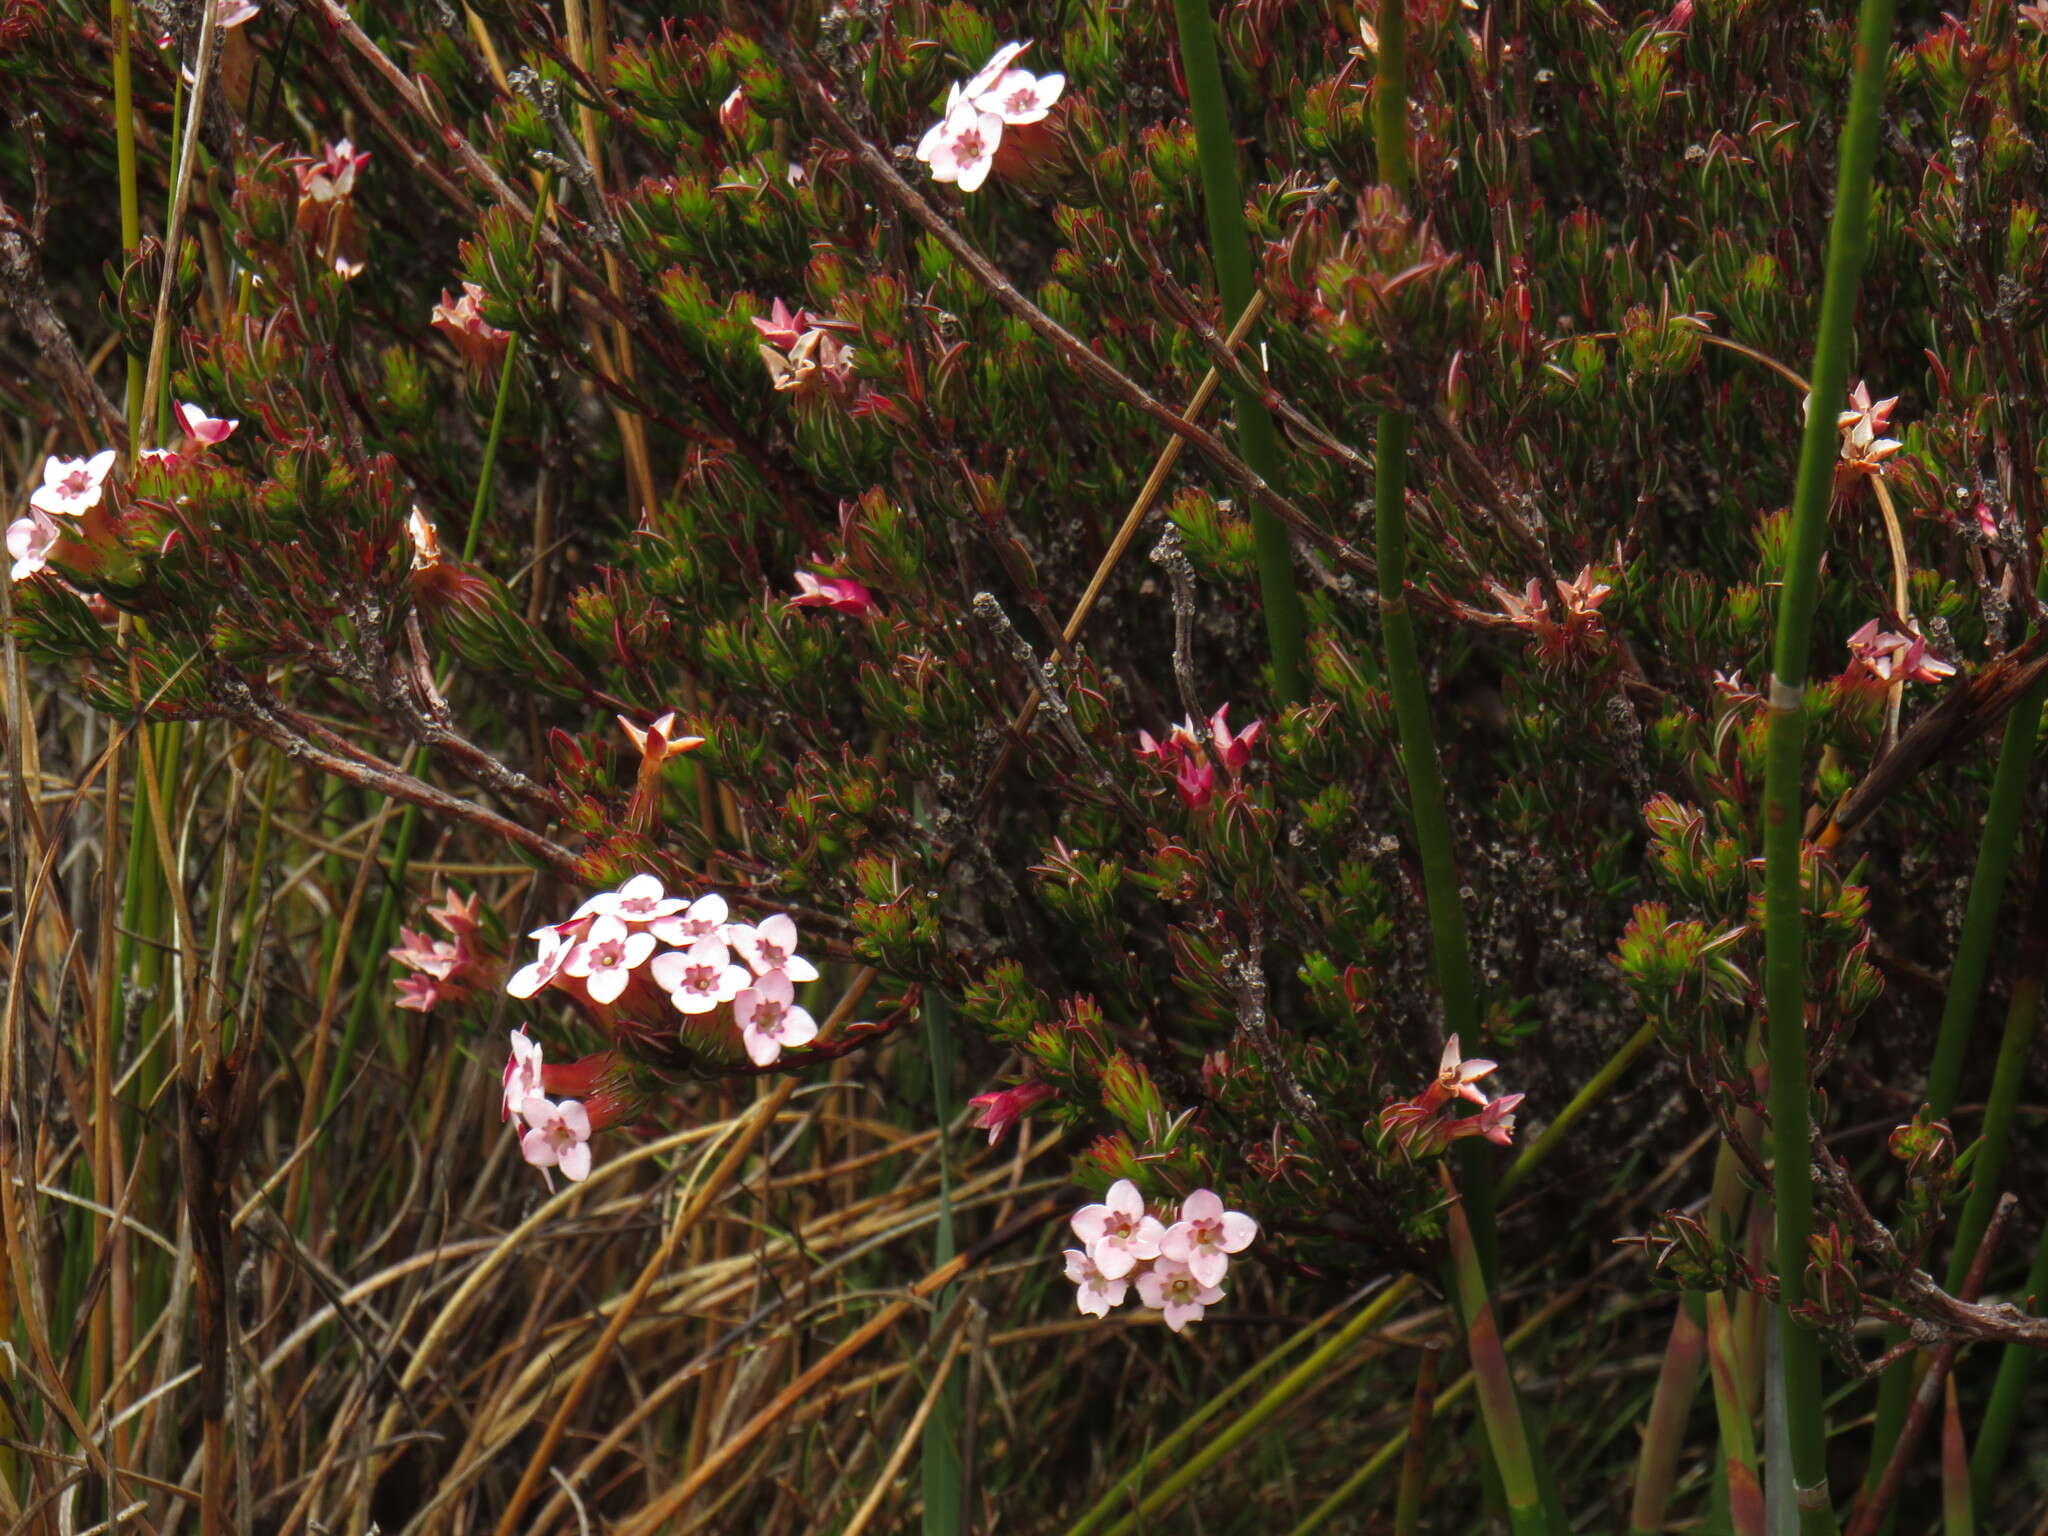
(1206, 1235)
(558, 1136)
(1172, 1288)
(462, 321)
(701, 977)
(1457, 1078)
(1097, 1293)
(522, 1079)
(706, 915)
(997, 1112)
(607, 957)
(640, 901)
(555, 949)
(1235, 751)
(28, 543)
(1495, 1123)
(782, 329)
(1018, 97)
(961, 147)
(72, 487)
(771, 947)
(769, 1019)
(841, 594)
(204, 431)
(1888, 657)
(332, 176)
(1117, 1233)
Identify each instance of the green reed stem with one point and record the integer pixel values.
(1594, 1090)
(1499, 1409)
(2008, 1392)
(130, 187)
(1299, 1382)
(1230, 248)
(1784, 925)
(1995, 850)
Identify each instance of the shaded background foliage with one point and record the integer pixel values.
(1613, 235)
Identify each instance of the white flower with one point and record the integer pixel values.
(963, 146)
(770, 947)
(701, 977)
(706, 915)
(71, 487)
(769, 1020)
(1019, 97)
(28, 542)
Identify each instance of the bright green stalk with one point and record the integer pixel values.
(1784, 927)
(1230, 249)
(1592, 1093)
(131, 195)
(1303, 1379)
(1119, 1496)
(1966, 987)
(1499, 1409)
(2008, 1393)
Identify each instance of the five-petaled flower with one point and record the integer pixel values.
(701, 977)
(771, 946)
(557, 1136)
(607, 957)
(72, 487)
(1206, 1235)
(769, 1019)
(962, 145)
(1117, 1233)
(1173, 1289)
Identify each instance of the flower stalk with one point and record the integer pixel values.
(1230, 249)
(1784, 924)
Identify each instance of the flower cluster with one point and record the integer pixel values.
(961, 146)
(441, 970)
(69, 514)
(1178, 1268)
(1888, 658)
(1192, 762)
(637, 951)
(1424, 1125)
